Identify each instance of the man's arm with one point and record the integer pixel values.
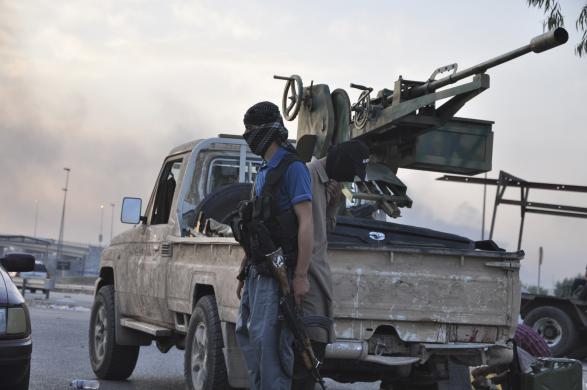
(334, 197)
(300, 283)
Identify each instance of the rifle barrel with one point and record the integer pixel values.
(538, 44)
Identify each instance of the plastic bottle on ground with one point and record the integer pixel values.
(84, 384)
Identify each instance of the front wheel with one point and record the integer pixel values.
(109, 360)
(23, 383)
(204, 366)
(556, 328)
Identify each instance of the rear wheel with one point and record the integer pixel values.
(555, 326)
(204, 366)
(109, 360)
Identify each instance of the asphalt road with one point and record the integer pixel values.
(60, 350)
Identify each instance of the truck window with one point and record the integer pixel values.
(165, 191)
(225, 171)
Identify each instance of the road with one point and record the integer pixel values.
(60, 350)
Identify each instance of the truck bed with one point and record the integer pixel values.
(429, 286)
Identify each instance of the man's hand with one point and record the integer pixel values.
(300, 286)
(239, 289)
(334, 191)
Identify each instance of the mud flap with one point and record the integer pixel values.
(236, 368)
(126, 336)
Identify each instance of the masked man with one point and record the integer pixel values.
(343, 162)
(280, 217)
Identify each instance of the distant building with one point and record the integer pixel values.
(77, 259)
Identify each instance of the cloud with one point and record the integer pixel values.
(108, 88)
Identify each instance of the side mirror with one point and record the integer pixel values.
(131, 211)
(18, 262)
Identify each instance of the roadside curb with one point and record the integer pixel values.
(74, 288)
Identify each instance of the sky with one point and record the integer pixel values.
(108, 88)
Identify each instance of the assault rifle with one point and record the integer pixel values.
(291, 314)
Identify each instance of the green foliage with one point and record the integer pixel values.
(555, 19)
(562, 288)
(581, 24)
(536, 290)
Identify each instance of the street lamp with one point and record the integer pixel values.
(61, 226)
(101, 224)
(112, 221)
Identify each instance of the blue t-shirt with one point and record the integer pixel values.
(296, 185)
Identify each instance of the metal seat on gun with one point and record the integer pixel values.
(404, 127)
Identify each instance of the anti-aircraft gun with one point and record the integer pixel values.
(403, 127)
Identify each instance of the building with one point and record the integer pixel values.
(76, 259)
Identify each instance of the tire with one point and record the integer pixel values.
(23, 384)
(221, 204)
(33, 290)
(46, 292)
(108, 359)
(556, 327)
(204, 367)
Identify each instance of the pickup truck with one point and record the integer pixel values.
(409, 301)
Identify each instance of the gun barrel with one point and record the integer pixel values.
(538, 44)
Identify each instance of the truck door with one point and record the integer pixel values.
(150, 267)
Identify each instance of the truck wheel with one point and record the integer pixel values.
(109, 360)
(23, 384)
(204, 366)
(555, 326)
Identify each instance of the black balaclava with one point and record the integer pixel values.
(263, 124)
(347, 160)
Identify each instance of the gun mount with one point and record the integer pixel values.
(403, 126)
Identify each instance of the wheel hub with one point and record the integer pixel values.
(100, 333)
(550, 330)
(199, 356)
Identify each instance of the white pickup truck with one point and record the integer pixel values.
(409, 301)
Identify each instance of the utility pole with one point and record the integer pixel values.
(101, 225)
(540, 257)
(36, 217)
(61, 226)
(112, 221)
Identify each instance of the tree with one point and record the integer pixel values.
(555, 19)
(562, 288)
(535, 289)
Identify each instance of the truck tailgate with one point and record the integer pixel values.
(427, 294)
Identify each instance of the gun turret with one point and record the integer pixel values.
(403, 126)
